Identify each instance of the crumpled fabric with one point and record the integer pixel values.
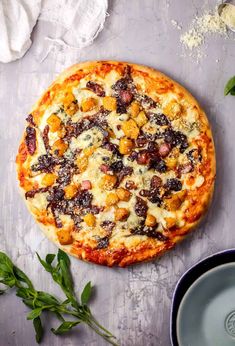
(17, 19)
(77, 22)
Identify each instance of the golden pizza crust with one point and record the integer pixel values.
(123, 256)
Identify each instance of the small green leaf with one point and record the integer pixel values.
(34, 313)
(64, 327)
(63, 256)
(47, 266)
(21, 276)
(8, 281)
(47, 298)
(230, 86)
(50, 258)
(24, 292)
(29, 302)
(67, 278)
(232, 92)
(6, 265)
(86, 293)
(38, 329)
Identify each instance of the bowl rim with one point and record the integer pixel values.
(197, 282)
(173, 332)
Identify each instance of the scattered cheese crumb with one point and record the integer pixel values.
(228, 15)
(206, 24)
(176, 24)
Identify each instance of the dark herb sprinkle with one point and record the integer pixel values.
(150, 232)
(45, 164)
(194, 155)
(159, 119)
(30, 139)
(56, 194)
(176, 138)
(159, 165)
(154, 198)
(103, 243)
(83, 199)
(116, 166)
(141, 207)
(96, 88)
(145, 101)
(174, 184)
(46, 138)
(32, 193)
(30, 120)
(107, 225)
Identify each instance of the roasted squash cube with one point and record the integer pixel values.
(170, 222)
(48, 179)
(121, 214)
(59, 147)
(150, 220)
(141, 119)
(88, 104)
(82, 163)
(72, 108)
(108, 182)
(125, 146)
(130, 128)
(54, 122)
(70, 191)
(173, 203)
(111, 199)
(173, 109)
(90, 220)
(65, 237)
(134, 109)
(123, 194)
(110, 103)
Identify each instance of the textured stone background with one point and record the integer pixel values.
(135, 302)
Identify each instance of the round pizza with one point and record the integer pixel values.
(117, 162)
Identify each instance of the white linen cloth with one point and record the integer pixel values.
(77, 22)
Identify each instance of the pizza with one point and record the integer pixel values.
(116, 163)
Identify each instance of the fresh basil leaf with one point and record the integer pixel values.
(47, 298)
(232, 92)
(57, 277)
(38, 329)
(63, 256)
(6, 265)
(29, 302)
(67, 278)
(86, 293)
(23, 292)
(34, 313)
(47, 266)
(230, 86)
(50, 258)
(8, 281)
(21, 276)
(64, 327)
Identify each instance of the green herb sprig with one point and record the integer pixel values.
(230, 87)
(39, 301)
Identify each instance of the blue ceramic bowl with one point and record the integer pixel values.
(193, 282)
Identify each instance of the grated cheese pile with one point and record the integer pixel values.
(208, 23)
